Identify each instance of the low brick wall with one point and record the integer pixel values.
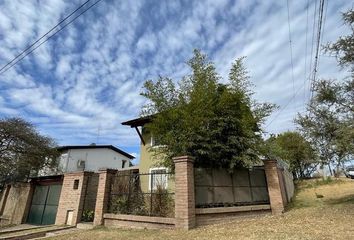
(134, 221)
(186, 215)
(207, 216)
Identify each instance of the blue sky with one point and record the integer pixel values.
(87, 79)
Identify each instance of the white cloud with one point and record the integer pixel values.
(90, 75)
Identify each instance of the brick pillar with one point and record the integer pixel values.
(184, 192)
(274, 186)
(103, 191)
(72, 197)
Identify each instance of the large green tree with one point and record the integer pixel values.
(23, 151)
(293, 148)
(329, 121)
(218, 124)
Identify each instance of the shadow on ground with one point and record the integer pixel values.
(343, 200)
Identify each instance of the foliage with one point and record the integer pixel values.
(119, 205)
(87, 216)
(329, 122)
(343, 48)
(128, 198)
(296, 151)
(162, 203)
(218, 124)
(23, 151)
(329, 132)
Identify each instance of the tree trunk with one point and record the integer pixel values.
(330, 169)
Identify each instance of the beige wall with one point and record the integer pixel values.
(17, 203)
(147, 161)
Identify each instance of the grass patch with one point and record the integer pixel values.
(317, 182)
(343, 200)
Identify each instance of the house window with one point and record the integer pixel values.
(124, 163)
(158, 178)
(155, 142)
(76, 184)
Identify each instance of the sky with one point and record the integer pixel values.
(82, 83)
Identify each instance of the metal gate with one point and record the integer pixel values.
(44, 204)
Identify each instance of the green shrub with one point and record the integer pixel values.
(162, 203)
(88, 216)
(119, 205)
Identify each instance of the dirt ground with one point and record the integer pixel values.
(320, 210)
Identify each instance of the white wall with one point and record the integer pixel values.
(94, 159)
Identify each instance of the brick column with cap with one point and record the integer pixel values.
(274, 186)
(72, 198)
(103, 191)
(184, 192)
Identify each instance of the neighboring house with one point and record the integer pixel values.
(53, 195)
(89, 158)
(148, 163)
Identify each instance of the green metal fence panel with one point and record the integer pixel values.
(221, 188)
(44, 205)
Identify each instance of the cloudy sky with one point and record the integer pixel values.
(81, 84)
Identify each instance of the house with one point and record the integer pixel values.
(148, 163)
(208, 195)
(65, 193)
(89, 158)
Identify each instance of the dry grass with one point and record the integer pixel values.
(309, 217)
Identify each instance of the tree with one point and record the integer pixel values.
(329, 121)
(23, 150)
(343, 48)
(328, 125)
(218, 124)
(296, 151)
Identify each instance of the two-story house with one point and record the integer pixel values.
(89, 158)
(148, 163)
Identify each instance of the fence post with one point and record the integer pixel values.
(184, 192)
(103, 191)
(274, 187)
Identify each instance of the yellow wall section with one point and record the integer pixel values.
(147, 161)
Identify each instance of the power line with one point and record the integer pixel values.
(312, 46)
(286, 105)
(307, 28)
(29, 49)
(324, 19)
(318, 44)
(291, 48)
(292, 69)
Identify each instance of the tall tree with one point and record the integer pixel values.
(296, 151)
(218, 124)
(329, 122)
(23, 150)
